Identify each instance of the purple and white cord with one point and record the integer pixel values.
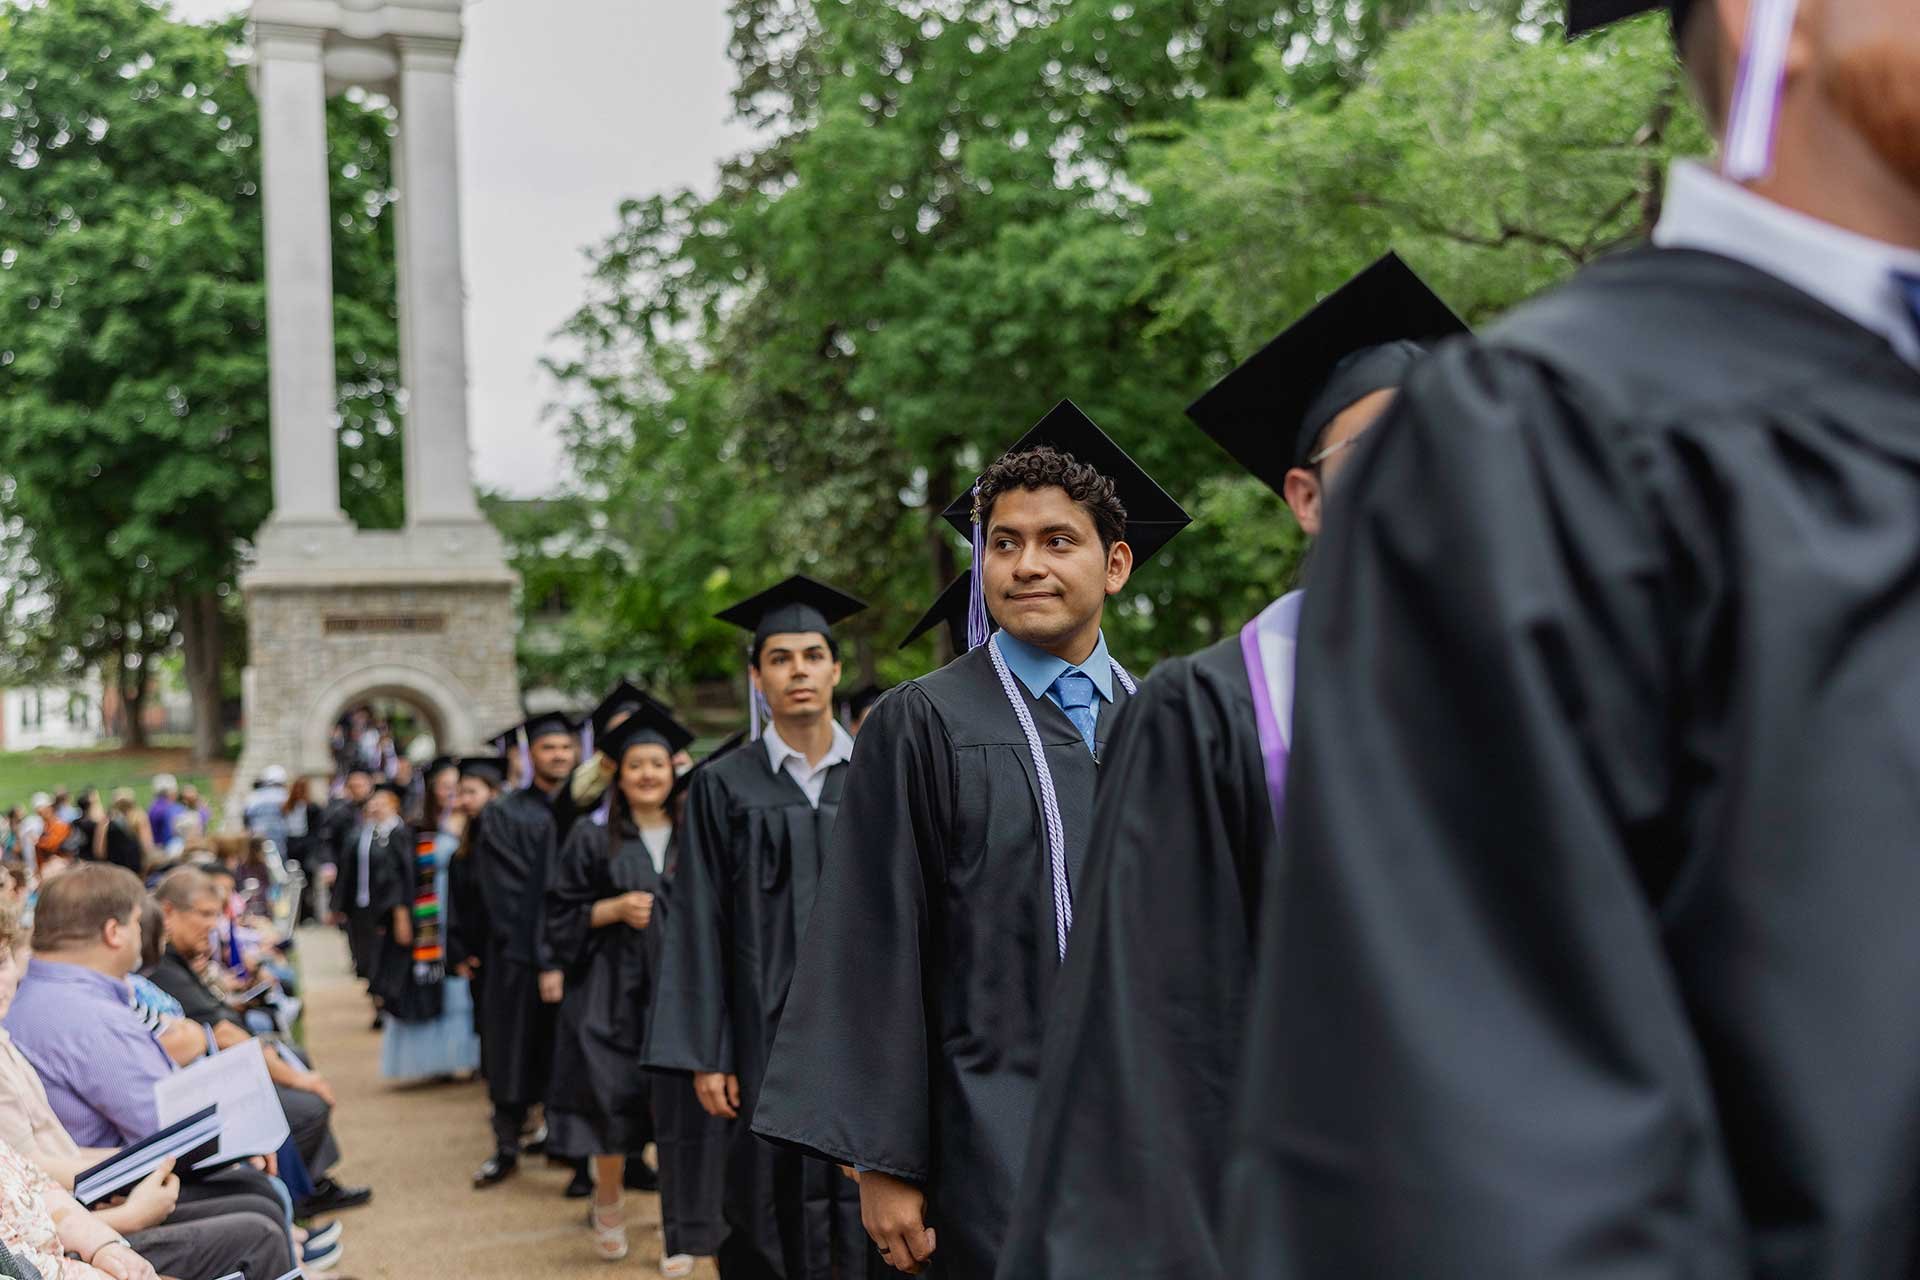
(1049, 798)
(1757, 89)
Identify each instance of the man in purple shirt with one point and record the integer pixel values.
(161, 813)
(72, 1017)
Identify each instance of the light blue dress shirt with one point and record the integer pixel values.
(1037, 669)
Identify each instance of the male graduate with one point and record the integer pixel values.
(1145, 1033)
(753, 841)
(1594, 953)
(376, 887)
(910, 1048)
(520, 984)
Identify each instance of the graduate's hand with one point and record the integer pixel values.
(468, 967)
(636, 909)
(894, 1212)
(402, 928)
(719, 1093)
(553, 985)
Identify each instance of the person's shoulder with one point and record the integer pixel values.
(1654, 335)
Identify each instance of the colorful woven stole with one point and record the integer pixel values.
(429, 955)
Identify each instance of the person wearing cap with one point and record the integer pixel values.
(606, 906)
(910, 1045)
(752, 850)
(520, 984)
(481, 780)
(429, 1031)
(1594, 948)
(376, 893)
(1143, 1041)
(340, 827)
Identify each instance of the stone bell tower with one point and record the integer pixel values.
(337, 614)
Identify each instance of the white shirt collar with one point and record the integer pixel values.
(1845, 270)
(778, 752)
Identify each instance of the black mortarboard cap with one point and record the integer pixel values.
(625, 696)
(863, 698)
(732, 744)
(1590, 15)
(950, 608)
(442, 762)
(543, 725)
(392, 788)
(1153, 517)
(1361, 338)
(491, 769)
(800, 604)
(650, 722)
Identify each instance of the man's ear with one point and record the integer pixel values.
(1119, 566)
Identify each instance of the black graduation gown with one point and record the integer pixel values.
(389, 882)
(911, 1042)
(1593, 953)
(746, 880)
(513, 855)
(1145, 1033)
(390, 862)
(600, 1102)
(467, 925)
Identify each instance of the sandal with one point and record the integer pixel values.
(609, 1239)
(676, 1266)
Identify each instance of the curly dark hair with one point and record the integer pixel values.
(1045, 467)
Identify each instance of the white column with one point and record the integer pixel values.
(299, 245)
(433, 346)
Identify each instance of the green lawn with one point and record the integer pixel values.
(24, 772)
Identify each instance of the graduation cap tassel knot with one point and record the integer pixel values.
(1757, 89)
(977, 623)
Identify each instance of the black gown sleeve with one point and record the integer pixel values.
(1145, 1033)
(466, 912)
(848, 1079)
(1468, 1056)
(571, 893)
(689, 1025)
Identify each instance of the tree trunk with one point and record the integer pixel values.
(133, 683)
(200, 644)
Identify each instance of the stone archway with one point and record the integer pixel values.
(437, 693)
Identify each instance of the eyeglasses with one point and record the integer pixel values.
(1320, 457)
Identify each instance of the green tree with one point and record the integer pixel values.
(133, 385)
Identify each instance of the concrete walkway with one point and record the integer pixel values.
(418, 1145)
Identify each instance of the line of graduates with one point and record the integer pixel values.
(1532, 896)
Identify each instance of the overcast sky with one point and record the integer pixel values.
(567, 107)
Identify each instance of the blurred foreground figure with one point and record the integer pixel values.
(1593, 949)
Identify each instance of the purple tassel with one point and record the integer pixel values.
(1756, 92)
(757, 710)
(976, 587)
(523, 775)
(586, 739)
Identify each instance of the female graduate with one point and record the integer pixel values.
(605, 910)
(435, 1037)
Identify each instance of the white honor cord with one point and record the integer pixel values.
(1049, 799)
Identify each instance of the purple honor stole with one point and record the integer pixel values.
(1267, 646)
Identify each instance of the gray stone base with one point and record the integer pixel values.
(442, 640)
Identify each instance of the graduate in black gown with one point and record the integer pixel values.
(1594, 952)
(1145, 1034)
(481, 779)
(910, 1046)
(380, 887)
(752, 847)
(520, 984)
(605, 909)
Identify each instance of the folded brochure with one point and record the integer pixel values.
(252, 1122)
(186, 1141)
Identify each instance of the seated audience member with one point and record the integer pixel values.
(202, 1238)
(184, 1039)
(40, 1225)
(190, 905)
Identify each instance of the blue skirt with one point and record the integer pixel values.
(421, 1050)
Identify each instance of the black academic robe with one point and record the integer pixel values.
(747, 875)
(468, 928)
(1593, 952)
(389, 883)
(1144, 1036)
(601, 1102)
(911, 1041)
(513, 856)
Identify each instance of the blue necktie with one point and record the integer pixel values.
(1075, 693)
(1909, 286)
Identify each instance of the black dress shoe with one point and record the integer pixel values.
(496, 1170)
(330, 1197)
(640, 1175)
(580, 1186)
